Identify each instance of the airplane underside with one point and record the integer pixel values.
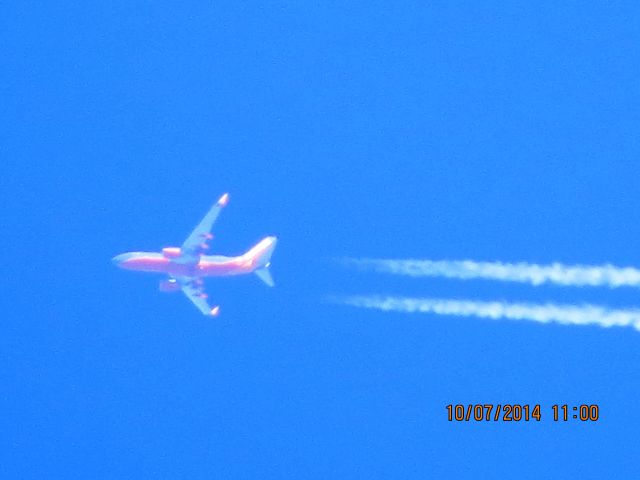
(187, 265)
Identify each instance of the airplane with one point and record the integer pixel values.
(187, 265)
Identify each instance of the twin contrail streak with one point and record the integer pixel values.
(542, 313)
(556, 273)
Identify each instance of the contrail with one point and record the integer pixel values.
(556, 273)
(542, 313)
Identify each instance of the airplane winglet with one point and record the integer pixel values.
(224, 199)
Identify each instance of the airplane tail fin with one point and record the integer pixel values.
(260, 255)
(265, 275)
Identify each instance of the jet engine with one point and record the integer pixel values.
(169, 286)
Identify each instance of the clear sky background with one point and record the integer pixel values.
(383, 129)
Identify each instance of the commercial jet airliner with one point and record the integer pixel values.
(187, 265)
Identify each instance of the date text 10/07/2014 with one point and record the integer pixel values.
(513, 412)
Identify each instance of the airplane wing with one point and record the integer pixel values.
(199, 239)
(193, 289)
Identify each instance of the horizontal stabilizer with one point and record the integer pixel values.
(265, 275)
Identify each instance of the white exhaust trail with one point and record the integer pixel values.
(542, 313)
(534, 274)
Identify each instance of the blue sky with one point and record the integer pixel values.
(382, 129)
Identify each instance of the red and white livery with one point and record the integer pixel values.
(187, 265)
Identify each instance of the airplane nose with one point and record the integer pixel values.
(117, 260)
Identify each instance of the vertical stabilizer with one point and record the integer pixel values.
(260, 256)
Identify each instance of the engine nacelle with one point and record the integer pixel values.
(171, 252)
(169, 286)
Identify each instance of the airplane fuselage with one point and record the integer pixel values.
(208, 266)
(187, 265)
